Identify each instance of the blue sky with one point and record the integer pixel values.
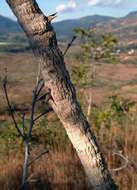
(68, 9)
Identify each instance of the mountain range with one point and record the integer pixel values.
(125, 28)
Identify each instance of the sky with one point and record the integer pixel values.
(69, 9)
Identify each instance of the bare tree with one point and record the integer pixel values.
(26, 132)
(63, 99)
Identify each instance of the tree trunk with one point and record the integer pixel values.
(56, 78)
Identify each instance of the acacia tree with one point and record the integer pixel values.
(64, 102)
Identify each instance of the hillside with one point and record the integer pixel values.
(7, 25)
(10, 32)
(124, 28)
(86, 22)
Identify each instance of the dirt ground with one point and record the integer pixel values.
(110, 79)
(114, 79)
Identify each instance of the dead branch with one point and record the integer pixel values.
(10, 108)
(42, 114)
(69, 45)
(127, 162)
(38, 157)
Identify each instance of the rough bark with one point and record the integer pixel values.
(43, 41)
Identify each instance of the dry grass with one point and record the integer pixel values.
(125, 140)
(111, 78)
(61, 168)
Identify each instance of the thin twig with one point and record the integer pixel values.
(23, 124)
(35, 95)
(69, 45)
(10, 108)
(37, 157)
(32, 114)
(39, 116)
(127, 161)
(39, 72)
(39, 89)
(42, 97)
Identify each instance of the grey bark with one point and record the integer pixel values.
(42, 38)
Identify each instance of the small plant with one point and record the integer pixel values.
(117, 110)
(95, 48)
(120, 108)
(79, 74)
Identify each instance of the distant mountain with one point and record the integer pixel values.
(7, 25)
(131, 15)
(10, 32)
(65, 29)
(125, 28)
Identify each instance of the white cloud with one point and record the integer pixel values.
(104, 2)
(70, 6)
